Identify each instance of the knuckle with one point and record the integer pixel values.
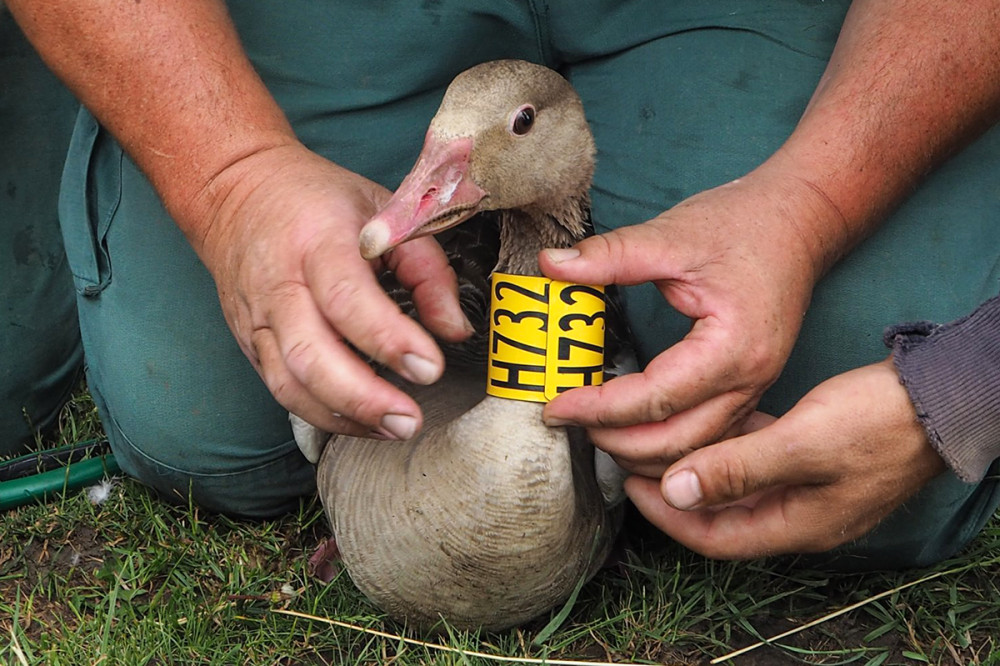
(615, 247)
(728, 481)
(300, 357)
(284, 390)
(342, 297)
(659, 408)
(604, 419)
(362, 406)
(382, 344)
(252, 351)
(596, 408)
(419, 261)
(758, 365)
(437, 284)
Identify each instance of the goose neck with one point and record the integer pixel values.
(525, 232)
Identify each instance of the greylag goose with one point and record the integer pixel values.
(486, 518)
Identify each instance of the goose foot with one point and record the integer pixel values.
(322, 563)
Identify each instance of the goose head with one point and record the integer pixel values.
(509, 136)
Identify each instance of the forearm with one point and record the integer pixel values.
(908, 84)
(170, 81)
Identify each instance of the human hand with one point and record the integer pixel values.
(736, 260)
(824, 474)
(283, 249)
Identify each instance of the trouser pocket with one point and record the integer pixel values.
(89, 196)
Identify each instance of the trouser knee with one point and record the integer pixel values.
(252, 478)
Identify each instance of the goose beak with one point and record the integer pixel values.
(436, 195)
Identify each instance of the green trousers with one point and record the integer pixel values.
(40, 352)
(681, 95)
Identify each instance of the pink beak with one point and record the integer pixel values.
(436, 195)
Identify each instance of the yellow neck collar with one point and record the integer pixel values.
(546, 337)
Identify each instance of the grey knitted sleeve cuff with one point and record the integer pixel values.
(952, 373)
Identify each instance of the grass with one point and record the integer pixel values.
(136, 581)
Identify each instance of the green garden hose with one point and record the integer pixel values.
(63, 469)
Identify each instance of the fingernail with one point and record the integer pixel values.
(462, 322)
(559, 255)
(682, 490)
(400, 426)
(420, 370)
(554, 422)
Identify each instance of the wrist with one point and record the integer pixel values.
(901, 426)
(798, 218)
(285, 192)
(206, 209)
(824, 228)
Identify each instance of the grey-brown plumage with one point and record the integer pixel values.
(486, 518)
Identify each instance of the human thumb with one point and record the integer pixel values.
(731, 470)
(626, 256)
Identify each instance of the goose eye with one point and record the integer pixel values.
(524, 118)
